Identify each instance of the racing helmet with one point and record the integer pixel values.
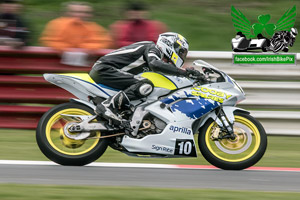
(294, 32)
(174, 46)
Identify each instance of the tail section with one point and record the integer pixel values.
(80, 85)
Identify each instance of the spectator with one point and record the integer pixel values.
(136, 27)
(13, 31)
(74, 31)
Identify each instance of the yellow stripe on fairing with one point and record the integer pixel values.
(159, 80)
(82, 76)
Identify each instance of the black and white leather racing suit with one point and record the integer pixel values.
(119, 68)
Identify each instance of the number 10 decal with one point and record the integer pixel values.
(185, 148)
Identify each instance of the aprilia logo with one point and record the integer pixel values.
(180, 130)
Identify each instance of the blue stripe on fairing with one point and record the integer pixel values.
(88, 83)
(194, 108)
(107, 87)
(173, 97)
(170, 99)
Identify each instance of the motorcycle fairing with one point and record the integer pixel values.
(194, 108)
(86, 77)
(81, 76)
(196, 102)
(80, 85)
(176, 140)
(179, 116)
(167, 82)
(159, 80)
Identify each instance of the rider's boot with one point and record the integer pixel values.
(111, 107)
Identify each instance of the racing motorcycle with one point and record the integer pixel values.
(163, 124)
(281, 40)
(280, 44)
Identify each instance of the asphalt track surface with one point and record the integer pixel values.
(150, 176)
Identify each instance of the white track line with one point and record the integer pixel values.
(95, 164)
(144, 165)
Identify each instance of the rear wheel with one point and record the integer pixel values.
(58, 147)
(244, 151)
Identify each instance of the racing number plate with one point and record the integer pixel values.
(185, 148)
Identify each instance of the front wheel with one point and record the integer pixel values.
(65, 151)
(234, 154)
(278, 46)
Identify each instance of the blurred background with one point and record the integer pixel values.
(37, 45)
(205, 23)
(38, 37)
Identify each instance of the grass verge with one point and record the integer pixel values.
(32, 192)
(21, 145)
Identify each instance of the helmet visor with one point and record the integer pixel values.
(180, 50)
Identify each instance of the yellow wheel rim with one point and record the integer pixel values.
(54, 134)
(243, 147)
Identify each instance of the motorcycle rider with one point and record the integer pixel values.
(284, 36)
(119, 70)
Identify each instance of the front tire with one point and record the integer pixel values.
(278, 46)
(61, 149)
(243, 152)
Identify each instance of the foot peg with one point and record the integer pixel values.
(127, 128)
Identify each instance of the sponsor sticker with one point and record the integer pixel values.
(212, 94)
(162, 148)
(177, 129)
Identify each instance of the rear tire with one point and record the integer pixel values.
(60, 149)
(243, 152)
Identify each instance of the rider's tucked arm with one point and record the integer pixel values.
(166, 68)
(157, 65)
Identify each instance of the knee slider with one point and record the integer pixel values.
(145, 88)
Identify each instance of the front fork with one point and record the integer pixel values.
(226, 129)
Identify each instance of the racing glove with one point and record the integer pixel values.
(193, 74)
